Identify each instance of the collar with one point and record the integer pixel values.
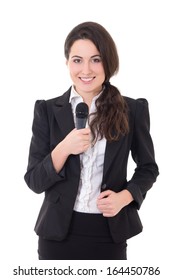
(74, 95)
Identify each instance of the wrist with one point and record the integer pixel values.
(59, 156)
(127, 197)
(62, 149)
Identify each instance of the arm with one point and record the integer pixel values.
(46, 167)
(143, 154)
(41, 174)
(146, 172)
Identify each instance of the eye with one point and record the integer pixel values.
(77, 60)
(96, 60)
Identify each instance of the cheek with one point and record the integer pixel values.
(98, 68)
(73, 69)
(101, 73)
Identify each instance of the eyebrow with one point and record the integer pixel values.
(96, 55)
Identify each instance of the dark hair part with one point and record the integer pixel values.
(111, 117)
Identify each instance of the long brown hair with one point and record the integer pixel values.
(111, 117)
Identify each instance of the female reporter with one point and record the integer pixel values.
(90, 209)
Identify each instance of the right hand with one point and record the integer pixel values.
(77, 141)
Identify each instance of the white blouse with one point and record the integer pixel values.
(91, 163)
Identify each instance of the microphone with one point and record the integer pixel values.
(81, 115)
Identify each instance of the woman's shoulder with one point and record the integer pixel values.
(138, 108)
(58, 100)
(132, 102)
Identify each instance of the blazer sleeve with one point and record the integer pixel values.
(41, 174)
(143, 154)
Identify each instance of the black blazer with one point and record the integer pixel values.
(53, 120)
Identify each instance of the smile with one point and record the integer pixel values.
(87, 79)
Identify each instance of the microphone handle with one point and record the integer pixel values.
(80, 123)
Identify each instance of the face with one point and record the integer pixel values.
(86, 67)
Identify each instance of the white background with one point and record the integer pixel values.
(32, 66)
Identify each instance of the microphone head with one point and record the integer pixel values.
(82, 110)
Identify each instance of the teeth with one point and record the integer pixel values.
(86, 79)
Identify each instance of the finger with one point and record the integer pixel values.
(106, 214)
(84, 131)
(102, 205)
(104, 194)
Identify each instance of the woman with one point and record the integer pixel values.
(90, 209)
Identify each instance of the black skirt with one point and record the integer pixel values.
(88, 239)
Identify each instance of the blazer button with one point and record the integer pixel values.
(103, 187)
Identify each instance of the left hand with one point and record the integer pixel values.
(110, 203)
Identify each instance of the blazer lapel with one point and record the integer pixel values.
(64, 117)
(112, 150)
(63, 113)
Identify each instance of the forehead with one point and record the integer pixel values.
(83, 47)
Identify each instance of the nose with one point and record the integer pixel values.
(86, 68)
